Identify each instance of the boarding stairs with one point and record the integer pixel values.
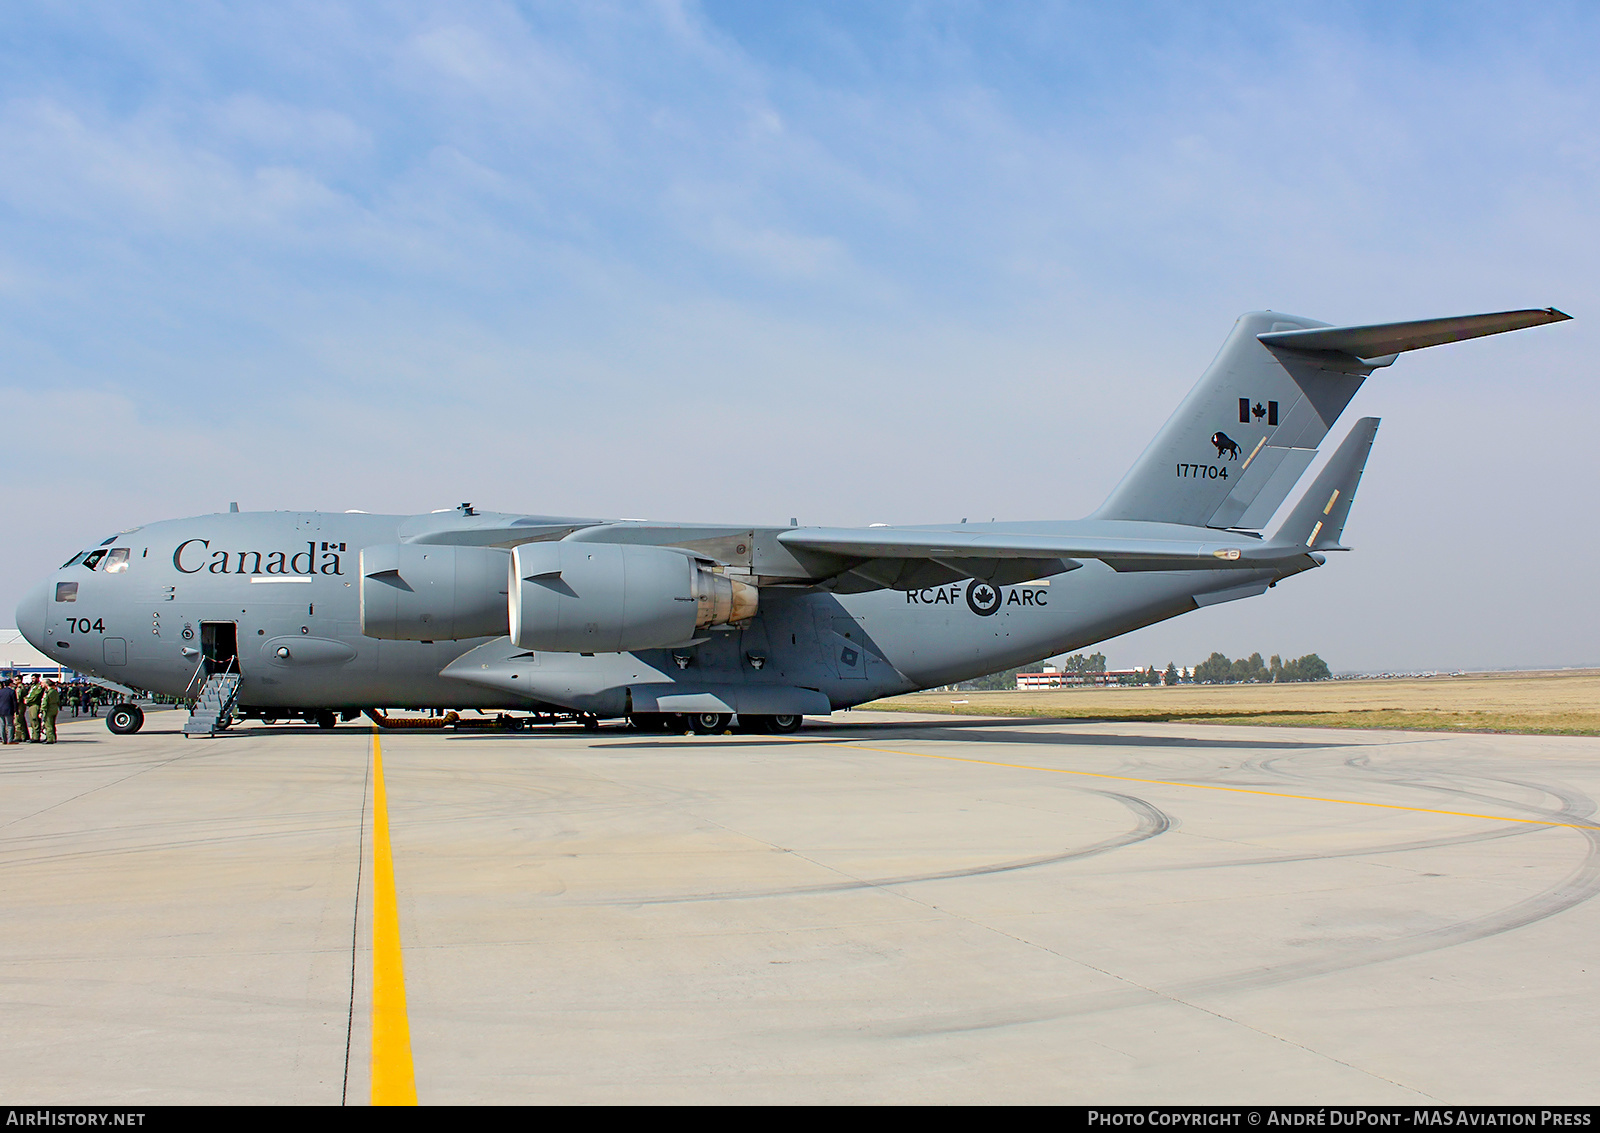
(213, 711)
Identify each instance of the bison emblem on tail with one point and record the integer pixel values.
(1225, 444)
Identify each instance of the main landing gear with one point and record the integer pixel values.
(714, 723)
(781, 724)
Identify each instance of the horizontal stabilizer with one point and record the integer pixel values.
(1317, 521)
(1383, 339)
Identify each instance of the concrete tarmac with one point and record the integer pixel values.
(880, 909)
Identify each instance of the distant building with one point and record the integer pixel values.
(1051, 676)
(17, 657)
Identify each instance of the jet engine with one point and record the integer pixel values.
(420, 592)
(574, 597)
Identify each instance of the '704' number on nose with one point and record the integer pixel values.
(84, 625)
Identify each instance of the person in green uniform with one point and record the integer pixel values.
(49, 706)
(32, 698)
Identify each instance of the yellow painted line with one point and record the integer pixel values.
(1214, 787)
(393, 1079)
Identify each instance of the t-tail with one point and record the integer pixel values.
(1250, 428)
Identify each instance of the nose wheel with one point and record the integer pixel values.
(125, 719)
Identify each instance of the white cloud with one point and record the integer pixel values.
(136, 177)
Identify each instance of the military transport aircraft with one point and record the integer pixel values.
(319, 616)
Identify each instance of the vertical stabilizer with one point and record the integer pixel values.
(1317, 521)
(1250, 428)
(1242, 438)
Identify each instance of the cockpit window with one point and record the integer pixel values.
(117, 560)
(78, 558)
(93, 558)
(66, 592)
(109, 541)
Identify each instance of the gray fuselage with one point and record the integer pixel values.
(285, 587)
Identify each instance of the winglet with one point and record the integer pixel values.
(1317, 520)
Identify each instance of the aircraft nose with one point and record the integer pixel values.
(31, 614)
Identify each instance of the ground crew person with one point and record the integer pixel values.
(49, 706)
(8, 712)
(32, 699)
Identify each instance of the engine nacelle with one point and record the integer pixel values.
(419, 592)
(617, 597)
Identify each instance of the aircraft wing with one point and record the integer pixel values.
(959, 549)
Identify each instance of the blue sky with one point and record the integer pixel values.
(854, 263)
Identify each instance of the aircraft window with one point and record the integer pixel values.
(117, 560)
(66, 592)
(93, 559)
(110, 541)
(78, 558)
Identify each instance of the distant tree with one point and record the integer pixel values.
(1171, 675)
(1275, 667)
(1314, 668)
(1250, 668)
(1307, 668)
(1217, 669)
(1078, 663)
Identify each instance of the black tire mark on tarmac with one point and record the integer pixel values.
(1149, 822)
(1581, 884)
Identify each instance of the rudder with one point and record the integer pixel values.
(1317, 521)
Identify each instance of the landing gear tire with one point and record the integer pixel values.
(125, 719)
(709, 723)
(321, 717)
(772, 725)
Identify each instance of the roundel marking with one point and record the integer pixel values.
(982, 598)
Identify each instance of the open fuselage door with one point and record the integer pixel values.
(219, 647)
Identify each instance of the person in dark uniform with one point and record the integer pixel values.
(20, 732)
(8, 712)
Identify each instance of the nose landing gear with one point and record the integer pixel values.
(125, 719)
